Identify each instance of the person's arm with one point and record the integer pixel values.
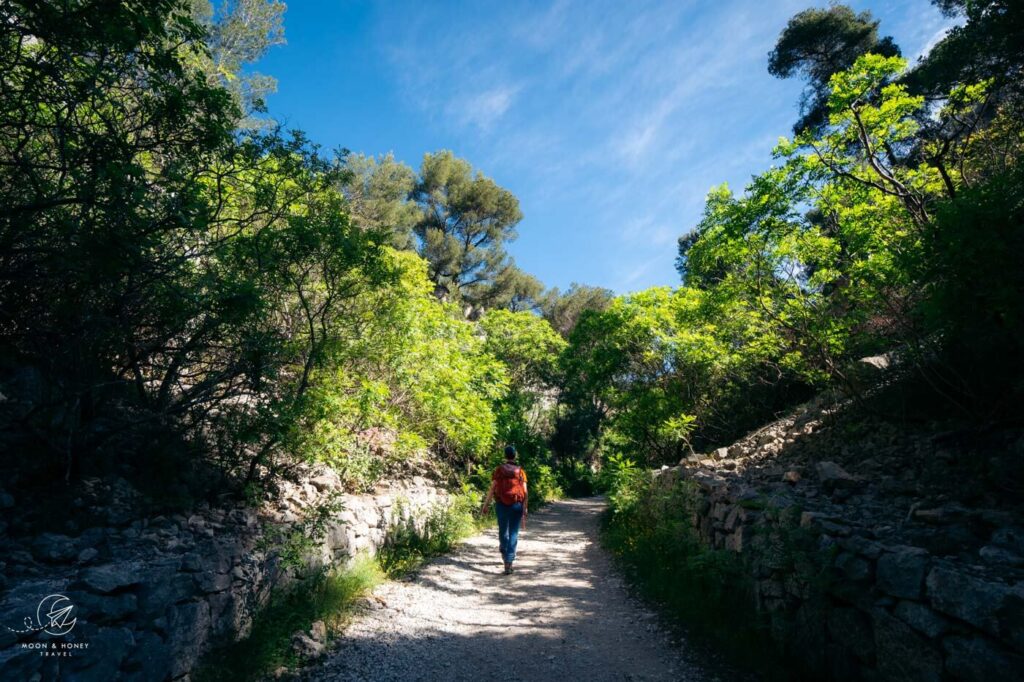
(526, 501)
(487, 499)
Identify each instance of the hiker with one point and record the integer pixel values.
(508, 490)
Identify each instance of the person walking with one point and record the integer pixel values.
(508, 490)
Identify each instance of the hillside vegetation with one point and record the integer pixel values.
(198, 300)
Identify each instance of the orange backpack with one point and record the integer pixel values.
(510, 484)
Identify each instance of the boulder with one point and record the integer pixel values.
(150, 659)
(1010, 538)
(834, 476)
(921, 618)
(189, 627)
(853, 567)
(87, 555)
(853, 628)
(105, 608)
(994, 607)
(54, 548)
(994, 554)
(305, 646)
(901, 572)
(974, 659)
(902, 653)
(111, 577)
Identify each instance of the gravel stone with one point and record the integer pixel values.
(564, 614)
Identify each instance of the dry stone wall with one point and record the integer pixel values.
(865, 575)
(149, 598)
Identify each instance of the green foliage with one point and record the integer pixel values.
(649, 530)
(975, 302)
(563, 310)
(166, 270)
(329, 597)
(416, 368)
(236, 289)
(445, 526)
(525, 344)
(378, 194)
(984, 44)
(655, 366)
(465, 220)
(818, 43)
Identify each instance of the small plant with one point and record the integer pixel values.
(410, 544)
(326, 596)
(293, 543)
(649, 529)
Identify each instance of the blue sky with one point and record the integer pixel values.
(609, 120)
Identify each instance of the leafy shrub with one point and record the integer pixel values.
(444, 527)
(576, 478)
(648, 529)
(975, 306)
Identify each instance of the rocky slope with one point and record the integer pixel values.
(919, 535)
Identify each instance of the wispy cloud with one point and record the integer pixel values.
(610, 120)
(483, 109)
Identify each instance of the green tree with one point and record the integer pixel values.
(563, 309)
(818, 43)
(160, 270)
(466, 220)
(378, 191)
(239, 33)
(986, 46)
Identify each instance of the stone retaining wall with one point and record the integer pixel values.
(149, 599)
(854, 586)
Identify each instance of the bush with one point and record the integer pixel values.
(445, 527)
(975, 306)
(577, 479)
(648, 530)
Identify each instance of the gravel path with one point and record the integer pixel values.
(563, 615)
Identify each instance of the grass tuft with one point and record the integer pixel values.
(329, 597)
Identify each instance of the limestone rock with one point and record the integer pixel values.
(54, 548)
(832, 475)
(87, 555)
(111, 577)
(977, 660)
(189, 627)
(902, 653)
(921, 618)
(994, 607)
(306, 647)
(901, 572)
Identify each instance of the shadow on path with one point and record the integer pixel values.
(563, 614)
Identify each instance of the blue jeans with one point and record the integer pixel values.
(509, 517)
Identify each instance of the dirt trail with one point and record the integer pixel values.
(563, 615)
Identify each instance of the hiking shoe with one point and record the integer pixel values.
(508, 568)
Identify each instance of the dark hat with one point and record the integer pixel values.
(510, 452)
